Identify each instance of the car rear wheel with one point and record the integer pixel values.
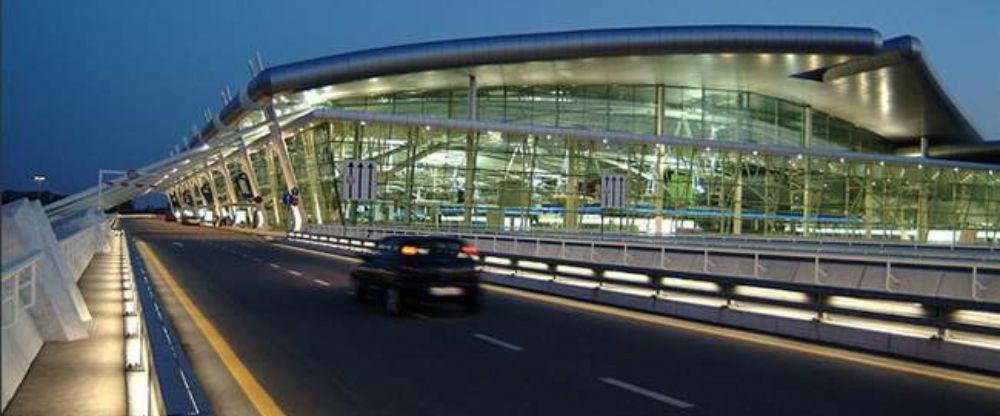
(358, 290)
(394, 304)
(471, 305)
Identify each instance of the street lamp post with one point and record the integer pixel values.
(38, 182)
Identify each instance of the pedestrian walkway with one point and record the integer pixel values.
(84, 377)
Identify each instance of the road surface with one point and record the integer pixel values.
(289, 319)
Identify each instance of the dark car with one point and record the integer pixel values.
(406, 270)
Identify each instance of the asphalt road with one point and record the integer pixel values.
(288, 316)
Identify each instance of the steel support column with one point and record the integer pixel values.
(312, 173)
(807, 186)
(471, 139)
(570, 218)
(661, 168)
(738, 197)
(869, 202)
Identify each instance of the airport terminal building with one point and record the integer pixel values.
(751, 130)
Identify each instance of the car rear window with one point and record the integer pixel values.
(440, 246)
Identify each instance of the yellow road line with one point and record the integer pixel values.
(251, 387)
(887, 363)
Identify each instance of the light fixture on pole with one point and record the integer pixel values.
(38, 182)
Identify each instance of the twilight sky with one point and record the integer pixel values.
(115, 84)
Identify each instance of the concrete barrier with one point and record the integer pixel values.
(58, 312)
(919, 348)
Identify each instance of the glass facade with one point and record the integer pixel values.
(698, 113)
(499, 180)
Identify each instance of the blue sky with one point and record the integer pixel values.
(115, 84)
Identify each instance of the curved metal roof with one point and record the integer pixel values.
(848, 72)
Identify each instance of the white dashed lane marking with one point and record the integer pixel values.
(497, 342)
(660, 397)
(320, 282)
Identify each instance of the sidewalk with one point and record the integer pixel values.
(84, 377)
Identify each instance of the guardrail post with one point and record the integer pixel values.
(624, 254)
(756, 264)
(816, 271)
(591, 251)
(888, 276)
(940, 316)
(599, 276)
(538, 246)
(817, 302)
(727, 289)
(976, 286)
(562, 249)
(704, 263)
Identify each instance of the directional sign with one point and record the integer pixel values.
(360, 180)
(614, 190)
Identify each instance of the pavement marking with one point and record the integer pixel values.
(320, 282)
(886, 363)
(660, 397)
(419, 315)
(497, 342)
(258, 260)
(177, 244)
(275, 266)
(294, 272)
(261, 400)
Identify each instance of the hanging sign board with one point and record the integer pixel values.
(614, 190)
(360, 180)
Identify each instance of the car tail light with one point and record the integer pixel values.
(409, 250)
(470, 250)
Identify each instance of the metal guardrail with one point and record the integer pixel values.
(18, 286)
(971, 280)
(973, 253)
(887, 311)
(163, 376)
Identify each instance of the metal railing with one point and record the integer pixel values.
(981, 253)
(942, 318)
(19, 286)
(959, 279)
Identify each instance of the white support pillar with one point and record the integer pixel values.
(215, 194)
(170, 202)
(287, 171)
(227, 179)
(247, 165)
